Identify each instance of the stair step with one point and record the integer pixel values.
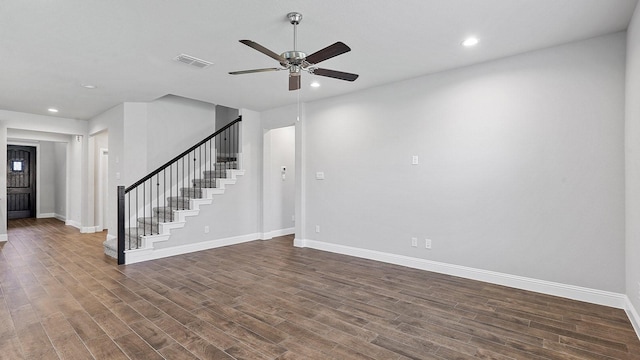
(179, 202)
(193, 192)
(218, 173)
(226, 165)
(146, 226)
(204, 183)
(165, 213)
(153, 223)
(222, 159)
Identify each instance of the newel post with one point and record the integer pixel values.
(120, 225)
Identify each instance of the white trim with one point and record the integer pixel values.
(594, 296)
(276, 233)
(88, 229)
(60, 217)
(45, 215)
(73, 223)
(634, 317)
(135, 256)
(4, 237)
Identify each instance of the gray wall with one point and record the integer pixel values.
(225, 115)
(47, 178)
(521, 166)
(60, 192)
(632, 143)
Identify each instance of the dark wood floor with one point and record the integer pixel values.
(60, 297)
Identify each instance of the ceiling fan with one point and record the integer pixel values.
(297, 61)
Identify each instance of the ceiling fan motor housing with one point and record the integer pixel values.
(294, 57)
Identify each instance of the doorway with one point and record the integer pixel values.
(21, 182)
(279, 182)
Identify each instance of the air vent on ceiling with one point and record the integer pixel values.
(193, 61)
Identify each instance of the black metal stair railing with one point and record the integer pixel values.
(152, 200)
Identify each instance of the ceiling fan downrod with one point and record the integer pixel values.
(294, 19)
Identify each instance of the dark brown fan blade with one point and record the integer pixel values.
(294, 82)
(253, 71)
(336, 74)
(264, 50)
(328, 52)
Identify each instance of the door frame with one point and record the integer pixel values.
(103, 190)
(36, 145)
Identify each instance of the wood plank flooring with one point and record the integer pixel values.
(61, 298)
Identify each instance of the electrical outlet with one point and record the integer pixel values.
(414, 160)
(427, 243)
(414, 242)
(293, 218)
(206, 229)
(317, 228)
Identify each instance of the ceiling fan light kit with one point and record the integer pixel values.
(297, 61)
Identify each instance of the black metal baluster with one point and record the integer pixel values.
(182, 178)
(128, 217)
(136, 220)
(157, 203)
(164, 193)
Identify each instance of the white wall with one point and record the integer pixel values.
(521, 166)
(100, 142)
(174, 124)
(112, 121)
(632, 144)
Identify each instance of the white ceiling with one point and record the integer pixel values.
(49, 48)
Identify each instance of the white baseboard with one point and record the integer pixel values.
(4, 237)
(634, 317)
(135, 256)
(593, 296)
(83, 229)
(60, 217)
(45, 215)
(276, 233)
(73, 223)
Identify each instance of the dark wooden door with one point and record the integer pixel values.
(21, 182)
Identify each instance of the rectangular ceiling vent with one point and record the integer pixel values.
(193, 61)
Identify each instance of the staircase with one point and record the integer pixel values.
(155, 228)
(163, 200)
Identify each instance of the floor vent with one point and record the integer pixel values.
(193, 61)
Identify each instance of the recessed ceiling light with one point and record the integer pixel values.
(53, 110)
(471, 41)
(89, 86)
(315, 84)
